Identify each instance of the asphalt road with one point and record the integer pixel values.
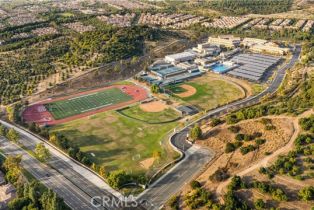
(182, 173)
(72, 195)
(157, 194)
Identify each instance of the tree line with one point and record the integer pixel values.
(304, 100)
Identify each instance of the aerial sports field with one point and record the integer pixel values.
(64, 109)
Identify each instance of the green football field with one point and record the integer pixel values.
(85, 103)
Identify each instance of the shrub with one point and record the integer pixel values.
(244, 137)
(174, 202)
(236, 183)
(260, 141)
(307, 123)
(234, 129)
(196, 132)
(247, 149)
(219, 175)
(230, 147)
(303, 139)
(238, 144)
(239, 137)
(117, 179)
(266, 121)
(195, 184)
(279, 195)
(270, 127)
(215, 121)
(306, 193)
(259, 204)
(262, 170)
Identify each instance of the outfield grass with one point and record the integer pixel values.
(211, 93)
(152, 117)
(84, 103)
(118, 142)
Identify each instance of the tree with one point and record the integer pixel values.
(18, 203)
(196, 132)
(42, 153)
(155, 88)
(259, 204)
(11, 113)
(195, 184)
(118, 178)
(102, 171)
(50, 201)
(215, 121)
(53, 138)
(219, 175)
(134, 60)
(3, 130)
(234, 129)
(236, 183)
(306, 194)
(12, 135)
(230, 147)
(174, 202)
(12, 168)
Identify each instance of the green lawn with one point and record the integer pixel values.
(117, 141)
(151, 117)
(176, 89)
(211, 93)
(84, 103)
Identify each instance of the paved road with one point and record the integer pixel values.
(182, 173)
(71, 194)
(196, 158)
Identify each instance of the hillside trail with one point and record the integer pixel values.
(270, 158)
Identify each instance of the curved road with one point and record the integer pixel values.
(179, 138)
(196, 158)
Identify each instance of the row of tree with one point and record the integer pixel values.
(116, 179)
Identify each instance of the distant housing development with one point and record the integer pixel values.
(226, 22)
(118, 20)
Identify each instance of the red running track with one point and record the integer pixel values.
(39, 114)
